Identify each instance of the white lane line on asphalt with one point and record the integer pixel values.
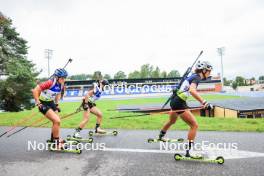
(227, 154)
(140, 150)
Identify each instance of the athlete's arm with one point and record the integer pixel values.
(194, 93)
(39, 88)
(36, 93)
(88, 95)
(62, 92)
(57, 98)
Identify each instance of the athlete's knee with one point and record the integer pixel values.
(57, 121)
(100, 115)
(194, 125)
(172, 121)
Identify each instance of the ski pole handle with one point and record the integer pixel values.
(69, 61)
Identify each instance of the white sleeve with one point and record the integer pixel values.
(95, 87)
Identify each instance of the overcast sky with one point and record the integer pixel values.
(113, 35)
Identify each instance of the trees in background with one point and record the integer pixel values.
(261, 79)
(97, 75)
(227, 82)
(81, 77)
(107, 76)
(234, 85)
(120, 75)
(134, 75)
(146, 71)
(173, 74)
(149, 71)
(19, 73)
(240, 81)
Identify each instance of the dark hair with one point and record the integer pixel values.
(197, 71)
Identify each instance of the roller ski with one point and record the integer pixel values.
(218, 160)
(77, 138)
(100, 132)
(152, 140)
(63, 147)
(161, 138)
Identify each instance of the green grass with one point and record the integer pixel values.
(142, 122)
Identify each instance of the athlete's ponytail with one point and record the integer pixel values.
(197, 71)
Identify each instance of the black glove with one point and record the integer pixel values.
(58, 108)
(174, 91)
(41, 107)
(207, 105)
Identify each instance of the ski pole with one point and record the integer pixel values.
(64, 117)
(21, 121)
(156, 113)
(32, 124)
(124, 109)
(134, 115)
(135, 109)
(36, 122)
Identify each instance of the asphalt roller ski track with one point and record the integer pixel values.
(128, 153)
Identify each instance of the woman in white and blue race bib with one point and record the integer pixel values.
(89, 106)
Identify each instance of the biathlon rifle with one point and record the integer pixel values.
(63, 91)
(185, 75)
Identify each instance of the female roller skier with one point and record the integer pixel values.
(89, 106)
(47, 96)
(178, 102)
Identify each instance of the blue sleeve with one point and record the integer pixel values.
(194, 79)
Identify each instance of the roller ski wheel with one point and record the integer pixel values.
(151, 140)
(115, 133)
(177, 157)
(218, 160)
(90, 133)
(80, 151)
